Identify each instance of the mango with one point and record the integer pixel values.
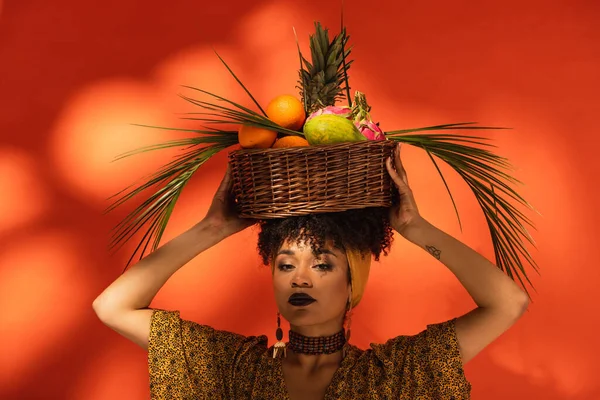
(331, 129)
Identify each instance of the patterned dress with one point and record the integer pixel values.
(192, 361)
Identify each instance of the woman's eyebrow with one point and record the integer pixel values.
(288, 252)
(325, 251)
(291, 253)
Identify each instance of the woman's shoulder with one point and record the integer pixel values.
(442, 333)
(428, 362)
(169, 327)
(432, 350)
(190, 360)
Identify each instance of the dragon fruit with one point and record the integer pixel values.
(344, 111)
(362, 118)
(358, 114)
(370, 130)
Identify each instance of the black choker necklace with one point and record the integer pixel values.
(301, 344)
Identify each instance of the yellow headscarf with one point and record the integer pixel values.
(359, 264)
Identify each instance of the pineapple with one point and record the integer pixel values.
(322, 82)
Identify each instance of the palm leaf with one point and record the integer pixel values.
(447, 188)
(345, 65)
(170, 180)
(238, 114)
(157, 209)
(241, 84)
(488, 177)
(460, 125)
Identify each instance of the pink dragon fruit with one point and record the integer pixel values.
(344, 111)
(362, 118)
(359, 114)
(370, 130)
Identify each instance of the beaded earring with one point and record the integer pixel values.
(279, 349)
(348, 325)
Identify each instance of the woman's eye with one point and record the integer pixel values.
(323, 267)
(285, 267)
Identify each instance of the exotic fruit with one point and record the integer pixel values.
(370, 129)
(362, 118)
(330, 129)
(344, 111)
(359, 114)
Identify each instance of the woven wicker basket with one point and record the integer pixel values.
(279, 183)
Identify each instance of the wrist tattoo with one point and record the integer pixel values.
(434, 252)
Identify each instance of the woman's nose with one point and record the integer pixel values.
(301, 280)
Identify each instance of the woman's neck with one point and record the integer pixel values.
(326, 329)
(310, 363)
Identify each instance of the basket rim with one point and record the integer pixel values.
(333, 146)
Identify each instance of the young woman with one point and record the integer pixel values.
(320, 265)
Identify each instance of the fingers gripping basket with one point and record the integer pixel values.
(278, 183)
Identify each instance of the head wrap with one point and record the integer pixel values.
(359, 265)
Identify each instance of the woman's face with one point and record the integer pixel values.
(299, 274)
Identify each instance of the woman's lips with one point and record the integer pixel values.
(300, 299)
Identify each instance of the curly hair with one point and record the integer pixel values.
(366, 229)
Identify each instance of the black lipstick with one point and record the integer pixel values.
(300, 299)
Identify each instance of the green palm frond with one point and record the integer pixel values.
(171, 179)
(241, 84)
(218, 114)
(155, 212)
(484, 173)
(345, 65)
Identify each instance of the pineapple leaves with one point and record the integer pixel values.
(323, 79)
(483, 171)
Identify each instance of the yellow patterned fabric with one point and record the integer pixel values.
(191, 361)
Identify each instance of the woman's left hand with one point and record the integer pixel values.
(406, 212)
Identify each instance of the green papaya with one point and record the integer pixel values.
(330, 129)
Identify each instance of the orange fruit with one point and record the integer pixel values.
(290, 141)
(251, 137)
(287, 111)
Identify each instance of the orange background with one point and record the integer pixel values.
(74, 76)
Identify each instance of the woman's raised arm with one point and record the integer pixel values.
(500, 301)
(123, 306)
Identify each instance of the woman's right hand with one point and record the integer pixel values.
(222, 213)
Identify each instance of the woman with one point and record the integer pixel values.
(320, 264)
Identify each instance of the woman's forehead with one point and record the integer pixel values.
(291, 246)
